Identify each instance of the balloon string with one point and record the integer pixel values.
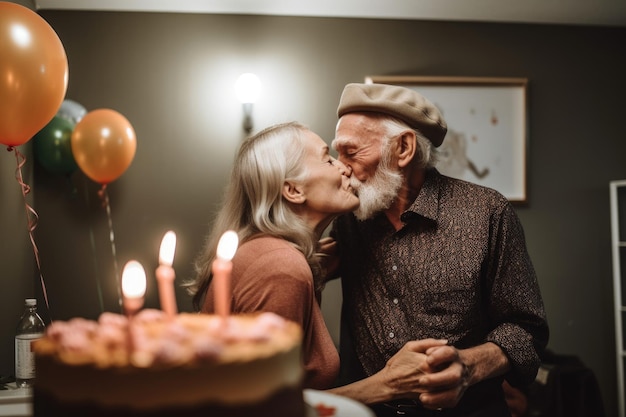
(32, 218)
(71, 186)
(104, 196)
(96, 270)
(95, 262)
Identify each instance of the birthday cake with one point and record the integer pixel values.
(154, 365)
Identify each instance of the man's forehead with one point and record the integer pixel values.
(357, 130)
(363, 122)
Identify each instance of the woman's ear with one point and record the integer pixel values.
(406, 148)
(293, 193)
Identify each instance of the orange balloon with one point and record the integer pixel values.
(103, 145)
(33, 73)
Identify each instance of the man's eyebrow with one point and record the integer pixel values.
(340, 142)
(345, 143)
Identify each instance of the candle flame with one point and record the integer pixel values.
(227, 245)
(168, 247)
(133, 280)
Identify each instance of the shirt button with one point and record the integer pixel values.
(391, 335)
(395, 268)
(396, 301)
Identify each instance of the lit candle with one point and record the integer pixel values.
(222, 267)
(165, 274)
(133, 287)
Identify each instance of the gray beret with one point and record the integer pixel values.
(402, 103)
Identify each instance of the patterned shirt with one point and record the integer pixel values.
(457, 270)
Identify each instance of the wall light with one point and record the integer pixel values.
(248, 89)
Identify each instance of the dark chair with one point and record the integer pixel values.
(564, 387)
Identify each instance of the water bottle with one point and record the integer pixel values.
(29, 329)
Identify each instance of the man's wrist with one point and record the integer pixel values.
(484, 361)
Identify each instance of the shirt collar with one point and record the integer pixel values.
(426, 204)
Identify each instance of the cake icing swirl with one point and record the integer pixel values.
(153, 339)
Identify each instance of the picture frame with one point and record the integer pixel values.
(487, 139)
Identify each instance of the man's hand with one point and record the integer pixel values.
(445, 386)
(456, 369)
(403, 372)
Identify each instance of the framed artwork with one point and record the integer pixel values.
(487, 138)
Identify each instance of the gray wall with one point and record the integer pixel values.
(171, 75)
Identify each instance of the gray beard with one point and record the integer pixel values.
(378, 193)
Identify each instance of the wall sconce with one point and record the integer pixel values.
(248, 89)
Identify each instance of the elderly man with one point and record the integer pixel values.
(428, 256)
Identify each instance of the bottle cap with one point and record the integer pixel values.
(31, 302)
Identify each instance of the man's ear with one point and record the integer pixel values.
(293, 193)
(406, 148)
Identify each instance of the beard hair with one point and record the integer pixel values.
(378, 193)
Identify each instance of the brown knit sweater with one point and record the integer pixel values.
(269, 274)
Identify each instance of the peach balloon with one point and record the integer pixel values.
(103, 145)
(33, 73)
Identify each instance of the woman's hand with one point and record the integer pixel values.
(400, 378)
(327, 246)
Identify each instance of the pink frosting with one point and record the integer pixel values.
(175, 344)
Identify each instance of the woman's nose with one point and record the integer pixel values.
(343, 168)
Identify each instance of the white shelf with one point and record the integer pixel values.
(618, 215)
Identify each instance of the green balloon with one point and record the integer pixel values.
(52, 146)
